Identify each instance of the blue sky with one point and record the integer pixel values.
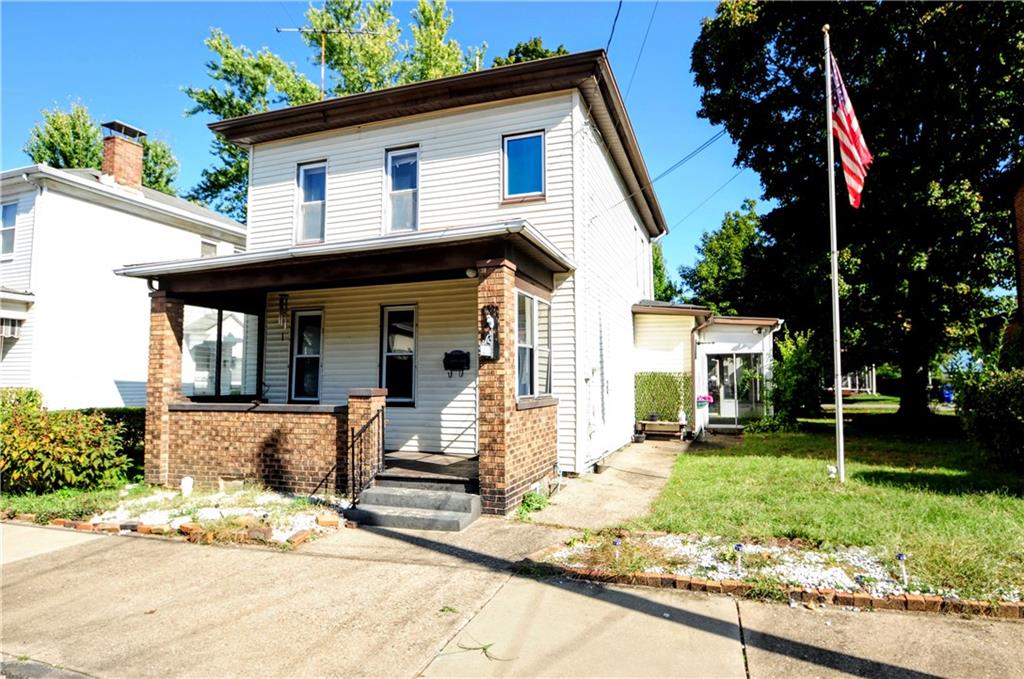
(130, 60)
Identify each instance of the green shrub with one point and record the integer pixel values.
(991, 409)
(661, 394)
(796, 376)
(43, 451)
(531, 502)
(133, 431)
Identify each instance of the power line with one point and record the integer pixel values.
(614, 22)
(675, 166)
(641, 53)
(712, 195)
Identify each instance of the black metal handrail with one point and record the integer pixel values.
(366, 454)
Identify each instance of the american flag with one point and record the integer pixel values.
(845, 128)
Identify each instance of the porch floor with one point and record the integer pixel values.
(431, 466)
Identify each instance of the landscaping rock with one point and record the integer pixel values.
(327, 520)
(84, 525)
(144, 529)
(156, 517)
(28, 518)
(60, 522)
(299, 537)
(108, 527)
(180, 521)
(129, 525)
(160, 529)
(209, 514)
(189, 528)
(260, 533)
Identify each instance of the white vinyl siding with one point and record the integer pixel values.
(16, 266)
(662, 343)
(444, 416)
(615, 273)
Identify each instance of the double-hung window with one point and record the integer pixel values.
(533, 346)
(312, 201)
(398, 349)
(523, 165)
(307, 342)
(403, 180)
(10, 217)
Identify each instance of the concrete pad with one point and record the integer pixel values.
(634, 478)
(23, 542)
(786, 642)
(537, 628)
(358, 603)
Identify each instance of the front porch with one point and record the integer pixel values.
(299, 374)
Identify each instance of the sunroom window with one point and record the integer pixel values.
(312, 201)
(533, 346)
(524, 165)
(219, 352)
(403, 189)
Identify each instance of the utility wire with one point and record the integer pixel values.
(712, 195)
(642, 45)
(675, 166)
(614, 22)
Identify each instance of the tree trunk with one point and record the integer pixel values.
(913, 384)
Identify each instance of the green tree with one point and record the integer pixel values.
(665, 289)
(367, 55)
(249, 82)
(937, 88)
(71, 139)
(528, 51)
(719, 278)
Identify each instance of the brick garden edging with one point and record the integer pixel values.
(921, 603)
(255, 534)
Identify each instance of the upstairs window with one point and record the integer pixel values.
(403, 168)
(10, 217)
(312, 201)
(524, 165)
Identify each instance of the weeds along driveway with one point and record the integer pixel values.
(354, 604)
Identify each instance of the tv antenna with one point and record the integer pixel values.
(323, 45)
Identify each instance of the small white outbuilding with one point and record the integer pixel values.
(726, 359)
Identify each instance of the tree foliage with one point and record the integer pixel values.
(529, 51)
(71, 139)
(937, 88)
(665, 289)
(366, 55)
(718, 279)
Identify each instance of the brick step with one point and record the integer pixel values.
(410, 517)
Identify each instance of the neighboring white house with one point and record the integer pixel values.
(375, 225)
(68, 325)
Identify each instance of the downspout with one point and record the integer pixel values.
(693, 367)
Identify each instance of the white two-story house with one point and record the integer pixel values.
(68, 326)
(441, 277)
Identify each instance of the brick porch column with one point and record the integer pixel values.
(363, 406)
(496, 384)
(163, 385)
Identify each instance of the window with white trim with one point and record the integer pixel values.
(10, 218)
(523, 165)
(398, 353)
(10, 328)
(312, 201)
(403, 178)
(307, 343)
(533, 346)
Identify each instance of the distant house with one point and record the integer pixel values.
(68, 325)
(464, 253)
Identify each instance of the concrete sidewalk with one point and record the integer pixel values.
(19, 542)
(633, 479)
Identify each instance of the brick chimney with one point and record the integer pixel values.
(122, 153)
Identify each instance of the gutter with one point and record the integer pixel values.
(519, 227)
(45, 172)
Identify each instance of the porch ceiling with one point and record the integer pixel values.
(425, 255)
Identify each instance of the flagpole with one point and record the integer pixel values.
(836, 357)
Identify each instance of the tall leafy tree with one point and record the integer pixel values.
(71, 139)
(529, 51)
(719, 278)
(362, 51)
(665, 289)
(937, 88)
(248, 82)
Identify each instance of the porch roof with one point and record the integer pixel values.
(419, 255)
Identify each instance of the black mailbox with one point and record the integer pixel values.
(456, 360)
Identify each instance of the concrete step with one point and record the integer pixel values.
(386, 479)
(419, 498)
(410, 517)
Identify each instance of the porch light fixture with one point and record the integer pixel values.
(471, 273)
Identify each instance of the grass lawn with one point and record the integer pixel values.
(928, 494)
(69, 503)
